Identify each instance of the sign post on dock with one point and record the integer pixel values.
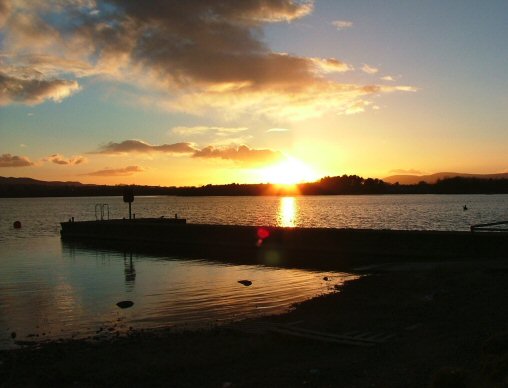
(128, 196)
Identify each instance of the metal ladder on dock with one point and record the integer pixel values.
(101, 210)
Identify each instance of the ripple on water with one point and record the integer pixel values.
(49, 288)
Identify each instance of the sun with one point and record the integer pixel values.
(288, 172)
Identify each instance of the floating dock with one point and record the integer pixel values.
(311, 247)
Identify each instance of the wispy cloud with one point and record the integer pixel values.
(369, 69)
(331, 65)
(241, 154)
(214, 135)
(30, 88)
(199, 130)
(62, 160)
(342, 24)
(198, 56)
(357, 107)
(388, 78)
(315, 102)
(126, 171)
(8, 160)
(139, 146)
(277, 130)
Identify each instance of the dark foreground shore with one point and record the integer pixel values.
(448, 327)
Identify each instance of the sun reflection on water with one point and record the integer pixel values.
(287, 212)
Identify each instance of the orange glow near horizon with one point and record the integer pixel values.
(288, 172)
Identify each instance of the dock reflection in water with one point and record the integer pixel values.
(54, 290)
(129, 270)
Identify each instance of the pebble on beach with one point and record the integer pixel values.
(245, 282)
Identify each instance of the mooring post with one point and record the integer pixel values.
(128, 196)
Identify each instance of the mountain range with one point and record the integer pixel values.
(401, 179)
(30, 181)
(433, 178)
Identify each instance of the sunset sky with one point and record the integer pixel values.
(200, 91)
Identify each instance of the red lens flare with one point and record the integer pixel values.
(263, 233)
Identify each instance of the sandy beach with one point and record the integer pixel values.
(444, 325)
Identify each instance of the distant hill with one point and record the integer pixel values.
(433, 178)
(442, 183)
(30, 181)
(29, 187)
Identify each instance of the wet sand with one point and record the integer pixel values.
(448, 326)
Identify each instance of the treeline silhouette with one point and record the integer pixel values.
(338, 185)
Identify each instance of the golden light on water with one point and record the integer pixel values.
(287, 212)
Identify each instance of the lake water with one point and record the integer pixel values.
(50, 289)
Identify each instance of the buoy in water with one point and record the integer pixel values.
(16, 225)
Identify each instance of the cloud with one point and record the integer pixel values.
(369, 69)
(331, 65)
(195, 56)
(31, 89)
(342, 24)
(8, 160)
(406, 172)
(5, 9)
(388, 78)
(215, 135)
(62, 160)
(199, 130)
(277, 130)
(126, 171)
(52, 65)
(357, 107)
(138, 146)
(329, 97)
(242, 154)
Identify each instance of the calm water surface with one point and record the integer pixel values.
(41, 216)
(49, 289)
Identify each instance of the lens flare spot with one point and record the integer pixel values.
(272, 257)
(263, 233)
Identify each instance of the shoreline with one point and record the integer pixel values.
(448, 321)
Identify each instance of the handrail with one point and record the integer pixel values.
(101, 208)
(485, 227)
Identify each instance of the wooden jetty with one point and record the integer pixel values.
(319, 247)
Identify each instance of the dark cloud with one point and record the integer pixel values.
(242, 154)
(62, 160)
(32, 90)
(189, 43)
(126, 171)
(206, 54)
(8, 160)
(138, 146)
